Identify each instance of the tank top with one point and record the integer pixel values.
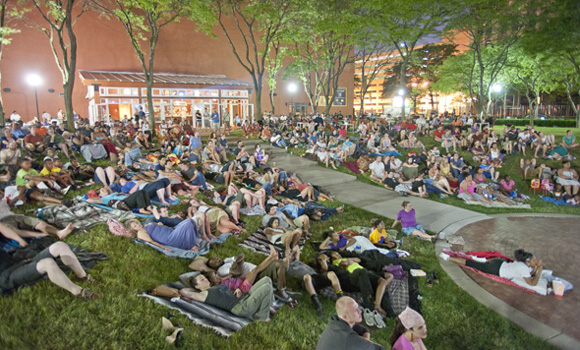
(221, 297)
(470, 188)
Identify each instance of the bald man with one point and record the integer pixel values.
(344, 331)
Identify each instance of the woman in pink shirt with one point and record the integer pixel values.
(507, 186)
(467, 189)
(410, 329)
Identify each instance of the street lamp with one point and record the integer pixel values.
(496, 88)
(292, 88)
(35, 80)
(401, 92)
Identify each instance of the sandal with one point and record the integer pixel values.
(369, 318)
(88, 295)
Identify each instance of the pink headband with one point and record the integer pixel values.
(409, 318)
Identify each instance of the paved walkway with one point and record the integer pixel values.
(553, 319)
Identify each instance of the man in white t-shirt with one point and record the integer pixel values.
(15, 117)
(377, 169)
(395, 164)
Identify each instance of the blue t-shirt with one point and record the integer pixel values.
(215, 118)
(157, 168)
(194, 142)
(340, 244)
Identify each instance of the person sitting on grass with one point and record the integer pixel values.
(378, 235)
(569, 141)
(62, 178)
(410, 329)
(183, 236)
(15, 273)
(467, 190)
(281, 236)
(409, 225)
(568, 178)
(344, 330)
(525, 266)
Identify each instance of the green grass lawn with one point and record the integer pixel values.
(46, 317)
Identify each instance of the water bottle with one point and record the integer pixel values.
(357, 249)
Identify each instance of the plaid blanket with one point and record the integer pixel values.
(203, 248)
(222, 322)
(82, 215)
(259, 243)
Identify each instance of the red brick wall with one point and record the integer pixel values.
(104, 45)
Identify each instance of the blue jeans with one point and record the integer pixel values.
(199, 181)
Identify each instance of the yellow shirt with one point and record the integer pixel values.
(351, 268)
(45, 171)
(376, 236)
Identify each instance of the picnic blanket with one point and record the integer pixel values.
(203, 248)
(387, 154)
(82, 215)
(222, 322)
(490, 276)
(259, 243)
(555, 201)
(104, 207)
(255, 210)
(352, 166)
(499, 205)
(156, 201)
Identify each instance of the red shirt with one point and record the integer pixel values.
(34, 139)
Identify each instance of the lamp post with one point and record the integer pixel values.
(35, 80)
(292, 88)
(497, 89)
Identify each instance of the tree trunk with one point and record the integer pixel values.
(68, 107)
(258, 103)
(272, 101)
(532, 116)
(432, 101)
(149, 86)
(403, 84)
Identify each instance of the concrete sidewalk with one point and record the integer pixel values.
(346, 188)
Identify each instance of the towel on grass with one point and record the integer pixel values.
(352, 166)
(499, 205)
(260, 243)
(255, 210)
(387, 153)
(82, 215)
(203, 248)
(222, 322)
(555, 201)
(104, 207)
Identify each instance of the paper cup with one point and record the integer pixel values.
(558, 288)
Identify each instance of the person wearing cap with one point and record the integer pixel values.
(344, 331)
(410, 329)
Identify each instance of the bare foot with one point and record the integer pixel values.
(274, 252)
(194, 249)
(211, 236)
(340, 209)
(205, 238)
(66, 231)
(272, 310)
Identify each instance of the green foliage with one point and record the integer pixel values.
(557, 123)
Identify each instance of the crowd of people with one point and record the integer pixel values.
(464, 158)
(221, 182)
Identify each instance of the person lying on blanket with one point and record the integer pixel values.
(335, 241)
(182, 236)
(15, 273)
(354, 277)
(219, 219)
(27, 226)
(256, 304)
(526, 266)
(160, 189)
(295, 221)
(282, 236)
(237, 267)
(138, 200)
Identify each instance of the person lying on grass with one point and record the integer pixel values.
(281, 236)
(371, 285)
(15, 273)
(339, 242)
(138, 200)
(183, 236)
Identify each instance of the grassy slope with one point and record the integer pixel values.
(43, 316)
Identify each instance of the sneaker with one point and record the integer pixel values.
(379, 320)
(444, 256)
(368, 317)
(68, 203)
(88, 295)
(65, 190)
(281, 294)
(479, 260)
(88, 278)
(442, 235)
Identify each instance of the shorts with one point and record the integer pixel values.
(298, 222)
(21, 222)
(320, 281)
(28, 192)
(24, 273)
(409, 230)
(276, 239)
(270, 271)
